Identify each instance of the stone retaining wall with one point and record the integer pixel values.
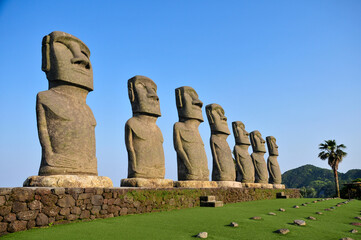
(25, 208)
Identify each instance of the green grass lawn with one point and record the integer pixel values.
(184, 224)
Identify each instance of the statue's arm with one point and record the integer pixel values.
(214, 154)
(178, 146)
(132, 161)
(43, 129)
(236, 157)
(270, 168)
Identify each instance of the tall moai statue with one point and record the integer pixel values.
(272, 163)
(143, 138)
(244, 162)
(223, 164)
(66, 125)
(259, 149)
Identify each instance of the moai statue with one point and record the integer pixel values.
(143, 138)
(223, 164)
(259, 149)
(65, 122)
(191, 155)
(244, 162)
(272, 163)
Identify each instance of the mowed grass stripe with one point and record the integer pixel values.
(183, 224)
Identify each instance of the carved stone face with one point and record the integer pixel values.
(66, 58)
(258, 143)
(240, 133)
(272, 146)
(188, 104)
(216, 119)
(143, 96)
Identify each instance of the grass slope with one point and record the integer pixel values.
(183, 224)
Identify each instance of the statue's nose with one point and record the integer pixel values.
(197, 102)
(81, 61)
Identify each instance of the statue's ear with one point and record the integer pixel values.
(45, 66)
(178, 98)
(131, 92)
(209, 114)
(234, 126)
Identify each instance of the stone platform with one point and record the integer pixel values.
(258, 185)
(195, 184)
(146, 182)
(229, 184)
(68, 181)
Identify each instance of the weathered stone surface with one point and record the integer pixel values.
(2, 200)
(76, 210)
(346, 238)
(5, 191)
(35, 205)
(95, 210)
(68, 181)
(22, 194)
(359, 218)
(256, 218)
(31, 224)
(304, 204)
(58, 190)
(319, 213)
(233, 224)
(195, 184)
(258, 146)
(147, 182)
(97, 200)
(311, 218)
(42, 220)
(296, 206)
(275, 176)
(85, 214)
(353, 231)
(282, 210)
(283, 231)
(11, 217)
(244, 164)
(191, 155)
(5, 210)
(66, 202)
(231, 184)
(27, 215)
(356, 223)
(51, 211)
(272, 213)
(143, 138)
(202, 235)
(279, 186)
(72, 217)
(223, 165)
(3, 227)
(299, 222)
(19, 207)
(64, 211)
(17, 226)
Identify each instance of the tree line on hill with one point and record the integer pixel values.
(317, 182)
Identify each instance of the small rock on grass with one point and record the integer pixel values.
(346, 238)
(295, 206)
(332, 207)
(282, 210)
(319, 213)
(272, 213)
(283, 231)
(304, 204)
(353, 231)
(359, 218)
(315, 201)
(299, 222)
(311, 218)
(233, 224)
(327, 209)
(202, 235)
(256, 218)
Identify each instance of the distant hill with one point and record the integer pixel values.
(315, 181)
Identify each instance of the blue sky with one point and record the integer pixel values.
(291, 69)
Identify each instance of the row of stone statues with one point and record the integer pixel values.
(66, 132)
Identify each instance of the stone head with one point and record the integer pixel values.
(272, 146)
(66, 58)
(240, 134)
(258, 143)
(143, 96)
(188, 104)
(217, 120)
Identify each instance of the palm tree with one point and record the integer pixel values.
(334, 154)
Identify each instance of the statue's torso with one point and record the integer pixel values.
(193, 147)
(261, 173)
(244, 164)
(274, 170)
(147, 142)
(223, 168)
(71, 131)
